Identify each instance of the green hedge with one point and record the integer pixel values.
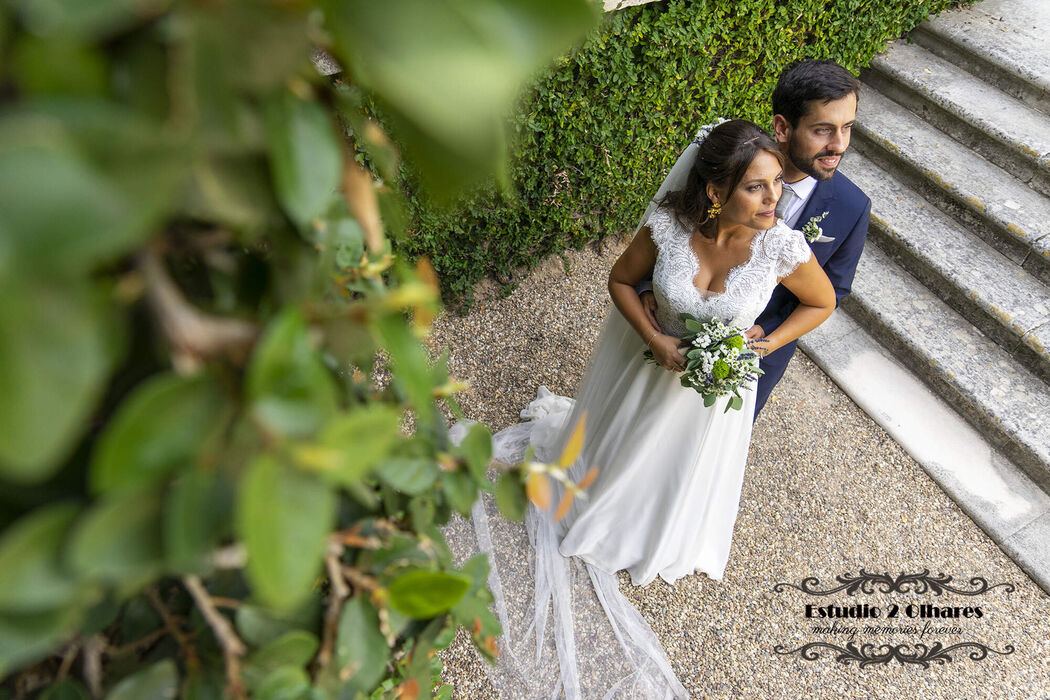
(599, 130)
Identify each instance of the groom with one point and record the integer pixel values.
(814, 106)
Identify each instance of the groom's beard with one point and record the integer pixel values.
(809, 165)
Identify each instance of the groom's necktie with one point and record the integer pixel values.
(787, 196)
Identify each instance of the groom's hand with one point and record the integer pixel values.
(649, 305)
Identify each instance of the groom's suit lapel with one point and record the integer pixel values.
(819, 202)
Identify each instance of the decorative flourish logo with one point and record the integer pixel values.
(866, 655)
(866, 583)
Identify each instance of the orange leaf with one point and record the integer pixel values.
(426, 274)
(490, 645)
(409, 690)
(360, 193)
(538, 489)
(575, 444)
(563, 507)
(588, 477)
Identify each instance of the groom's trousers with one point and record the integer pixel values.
(773, 365)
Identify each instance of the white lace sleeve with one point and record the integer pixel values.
(794, 250)
(661, 227)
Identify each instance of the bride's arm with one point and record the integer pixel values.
(816, 302)
(634, 264)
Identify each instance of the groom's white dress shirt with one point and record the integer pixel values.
(803, 190)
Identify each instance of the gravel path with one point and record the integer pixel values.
(826, 493)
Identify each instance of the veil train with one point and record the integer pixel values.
(568, 631)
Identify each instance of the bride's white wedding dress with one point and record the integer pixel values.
(665, 499)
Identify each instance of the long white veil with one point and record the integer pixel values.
(567, 629)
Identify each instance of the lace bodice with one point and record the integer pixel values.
(775, 253)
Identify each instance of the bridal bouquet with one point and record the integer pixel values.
(717, 363)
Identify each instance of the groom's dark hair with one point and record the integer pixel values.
(805, 81)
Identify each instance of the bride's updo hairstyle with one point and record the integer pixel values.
(724, 157)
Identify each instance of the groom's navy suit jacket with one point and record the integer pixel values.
(848, 211)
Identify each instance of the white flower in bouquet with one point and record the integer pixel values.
(718, 362)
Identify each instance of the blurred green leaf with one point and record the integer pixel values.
(233, 190)
(119, 539)
(158, 429)
(351, 443)
(159, 681)
(423, 511)
(347, 238)
(349, 341)
(52, 370)
(196, 519)
(294, 649)
(66, 689)
(305, 156)
(476, 448)
(260, 627)
(460, 490)
(74, 17)
(411, 475)
(290, 389)
(59, 67)
(287, 683)
(284, 517)
(448, 75)
(360, 651)
(26, 637)
(510, 496)
(68, 205)
(204, 686)
(31, 574)
(426, 594)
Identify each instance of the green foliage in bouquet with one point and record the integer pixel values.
(598, 131)
(222, 449)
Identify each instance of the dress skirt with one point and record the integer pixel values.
(670, 470)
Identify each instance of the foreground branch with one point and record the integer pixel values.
(194, 335)
(189, 654)
(232, 646)
(337, 596)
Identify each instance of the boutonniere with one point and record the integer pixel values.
(813, 232)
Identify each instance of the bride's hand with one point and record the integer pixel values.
(665, 351)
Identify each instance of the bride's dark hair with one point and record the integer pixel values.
(724, 157)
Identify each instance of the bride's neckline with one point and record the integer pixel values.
(707, 294)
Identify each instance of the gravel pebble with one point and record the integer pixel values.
(826, 493)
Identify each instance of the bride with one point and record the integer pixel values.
(670, 470)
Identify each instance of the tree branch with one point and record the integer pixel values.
(194, 335)
(93, 648)
(337, 596)
(232, 646)
(189, 654)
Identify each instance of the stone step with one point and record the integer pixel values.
(994, 294)
(997, 126)
(1002, 41)
(997, 494)
(1010, 216)
(1007, 404)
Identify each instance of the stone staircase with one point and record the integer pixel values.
(952, 146)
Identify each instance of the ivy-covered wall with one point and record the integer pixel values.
(598, 131)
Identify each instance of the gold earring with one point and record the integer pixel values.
(714, 210)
